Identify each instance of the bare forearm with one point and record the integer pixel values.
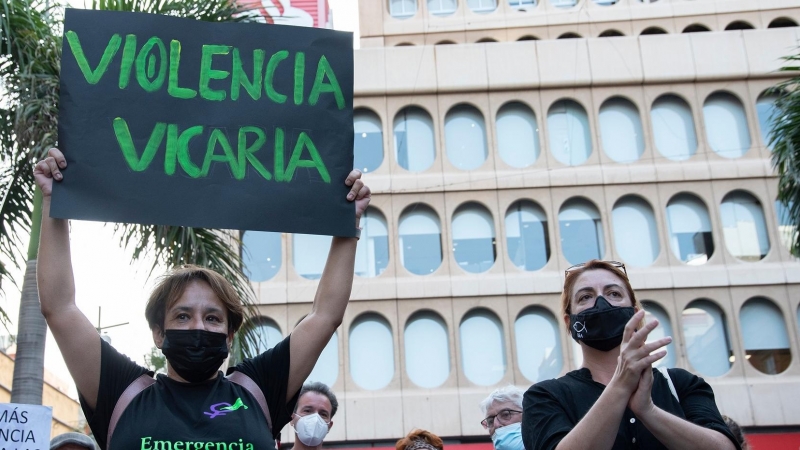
(336, 283)
(676, 433)
(54, 265)
(598, 428)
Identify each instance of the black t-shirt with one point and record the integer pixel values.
(171, 415)
(553, 407)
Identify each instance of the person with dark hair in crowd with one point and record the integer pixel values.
(617, 399)
(193, 314)
(313, 415)
(502, 412)
(737, 432)
(420, 440)
(72, 441)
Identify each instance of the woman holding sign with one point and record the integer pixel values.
(193, 314)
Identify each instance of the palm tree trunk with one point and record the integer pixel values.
(31, 328)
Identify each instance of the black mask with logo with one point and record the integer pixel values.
(601, 326)
(196, 355)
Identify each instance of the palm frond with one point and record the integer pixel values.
(205, 10)
(29, 68)
(174, 246)
(785, 143)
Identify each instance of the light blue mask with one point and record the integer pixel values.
(508, 437)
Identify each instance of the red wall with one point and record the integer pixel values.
(774, 441)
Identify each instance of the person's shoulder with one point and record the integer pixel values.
(681, 376)
(554, 384)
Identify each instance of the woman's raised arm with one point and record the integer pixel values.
(76, 336)
(315, 330)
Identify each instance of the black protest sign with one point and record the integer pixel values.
(173, 121)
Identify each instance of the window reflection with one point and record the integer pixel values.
(261, 254)
(420, 240)
(706, 337)
(473, 238)
(526, 235)
(372, 254)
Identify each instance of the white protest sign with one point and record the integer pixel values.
(25, 427)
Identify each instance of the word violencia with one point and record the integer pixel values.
(151, 72)
(249, 140)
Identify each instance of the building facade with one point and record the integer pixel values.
(67, 414)
(506, 140)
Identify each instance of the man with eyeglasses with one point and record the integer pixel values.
(313, 414)
(502, 412)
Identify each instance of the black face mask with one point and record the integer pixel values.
(601, 326)
(196, 355)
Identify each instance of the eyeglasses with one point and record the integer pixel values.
(616, 264)
(504, 416)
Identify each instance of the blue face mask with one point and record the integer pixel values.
(508, 437)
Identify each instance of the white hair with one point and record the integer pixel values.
(509, 393)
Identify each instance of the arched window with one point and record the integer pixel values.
(372, 253)
(526, 235)
(521, 4)
(482, 6)
(706, 336)
(326, 370)
(621, 130)
(782, 22)
(486, 41)
(581, 231)
(538, 342)
(766, 342)
(427, 350)
(262, 334)
(445, 43)
(744, 227)
(696, 28)
(726, 125)
(517, 135)
(787, 230)
(689, 229)
(483, 352)
(402, 9)
(371, 352)
(649, 31)
(766, 110)
(635, 231)
(611, 33)
(465, 137)
(673, 128)
(261, 254)
(473, 238)
(569, 35)
(653, 311)
(420, 240)
(368, 145)
(605, 2)
(442, 7)
(309, 253)
(738, 25)
(570, 138)
(414, 145)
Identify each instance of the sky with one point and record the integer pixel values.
(104, 276)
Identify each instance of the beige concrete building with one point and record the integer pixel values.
(546, 133)
(67, 415)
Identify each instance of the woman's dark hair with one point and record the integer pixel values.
(171, 286)
(321, 389)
